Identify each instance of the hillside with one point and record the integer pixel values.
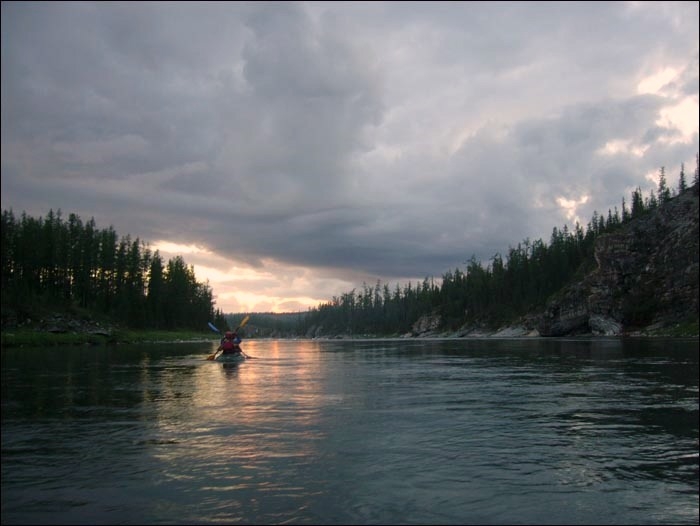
(645, 277)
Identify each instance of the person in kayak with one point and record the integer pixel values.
(230, 343)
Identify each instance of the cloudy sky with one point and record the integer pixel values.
(293, 151)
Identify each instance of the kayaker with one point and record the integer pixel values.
(230, 343)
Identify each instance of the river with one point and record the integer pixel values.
(522, 431)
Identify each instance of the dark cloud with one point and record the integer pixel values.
(361, 140)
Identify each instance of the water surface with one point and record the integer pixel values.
(353, 432)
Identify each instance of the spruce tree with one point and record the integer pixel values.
(664, 194)
(681, 180)
(625, 212)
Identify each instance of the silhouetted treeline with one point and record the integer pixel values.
(487, 295)
(73, 263)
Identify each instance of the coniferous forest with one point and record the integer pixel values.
(71, 263)
(488, 295)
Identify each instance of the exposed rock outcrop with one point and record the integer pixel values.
(646, 275)
(58, 324)
(426, 325)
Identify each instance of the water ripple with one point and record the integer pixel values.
(362, 432)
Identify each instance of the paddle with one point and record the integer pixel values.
(215, 329)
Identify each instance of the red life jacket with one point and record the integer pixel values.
(228, 346)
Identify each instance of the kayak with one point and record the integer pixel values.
(230, 358)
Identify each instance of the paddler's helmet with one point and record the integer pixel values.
(228, 334)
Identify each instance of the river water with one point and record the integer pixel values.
(530, 431)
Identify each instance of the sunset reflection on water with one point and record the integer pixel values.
(353, 432)
(258, 417)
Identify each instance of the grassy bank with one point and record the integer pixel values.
(32, 338)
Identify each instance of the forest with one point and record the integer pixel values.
(73, 264)
(490, 295)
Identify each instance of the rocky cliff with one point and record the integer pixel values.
(646, 277)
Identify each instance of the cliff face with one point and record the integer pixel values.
(646, 277)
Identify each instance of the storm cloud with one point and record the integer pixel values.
(307, 147)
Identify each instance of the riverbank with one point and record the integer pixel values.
(30, 337)
(46, 327)
(27, 337)
(63, 329)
